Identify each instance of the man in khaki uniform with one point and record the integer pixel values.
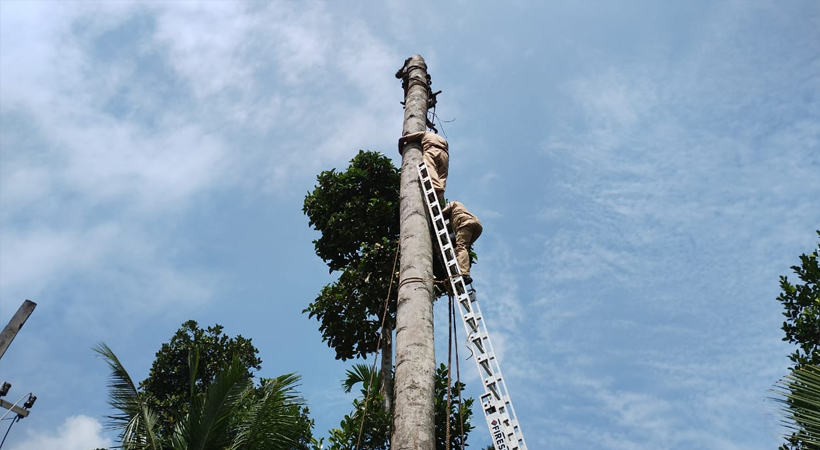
(436, 156)
(467, 228)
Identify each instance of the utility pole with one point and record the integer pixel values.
(14, 325)
(414, 413)
(6, 336)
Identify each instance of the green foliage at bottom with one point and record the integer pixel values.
(377, 426)
(801, 305)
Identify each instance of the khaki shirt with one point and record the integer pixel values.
(429, 140)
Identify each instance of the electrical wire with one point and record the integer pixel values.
(458, 380)
(378, 345)
(450, 315)
(13, 421)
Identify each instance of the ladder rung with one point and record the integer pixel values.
(440, 225)
(472, 322)
(479, 345)
(443, 238)
(494, 390)
(486, 366)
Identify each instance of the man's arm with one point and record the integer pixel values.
(410, 138)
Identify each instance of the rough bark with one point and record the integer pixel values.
(387, 368)
(413, 417)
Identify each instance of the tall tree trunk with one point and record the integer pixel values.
(413, 417)
(387, 368)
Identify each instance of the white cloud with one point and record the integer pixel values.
(75, 433)
(94, 151)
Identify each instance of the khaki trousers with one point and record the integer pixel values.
(437, 161)
(466, 234)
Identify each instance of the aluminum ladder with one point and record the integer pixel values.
(498, 409)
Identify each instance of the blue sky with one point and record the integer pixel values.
(644, 172)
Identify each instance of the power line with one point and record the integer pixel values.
(13, 421)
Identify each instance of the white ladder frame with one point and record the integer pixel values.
(495, 403)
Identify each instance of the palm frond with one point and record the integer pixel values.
(361, 373)
(135, 421)
(799, 396)
(271, 422)
(207, 424)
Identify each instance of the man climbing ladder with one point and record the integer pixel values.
(495, 402)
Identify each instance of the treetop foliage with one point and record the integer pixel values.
(230, 414)
(802, 310)
(354, 209)
(169, 382)
(357, 212)
(801, 303)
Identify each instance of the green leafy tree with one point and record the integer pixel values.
(283, 412)
(356, 212)
(229, 415)
(168, 384)
(457, 413)
(166, 403)
(136, 422)
(376, 429)
(801, 303)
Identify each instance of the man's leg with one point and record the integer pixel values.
(438, 163)
(464, 236)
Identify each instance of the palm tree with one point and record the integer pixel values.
(231, 415)
(799, 396)
(362, 373)
(136, 422)
(372, 432)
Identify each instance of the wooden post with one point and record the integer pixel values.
(15, 324)
(414, 413)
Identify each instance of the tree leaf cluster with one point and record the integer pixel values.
(225, 411)
(167, 387)
(354, 209)
(457, 413)
(377, 426)
(802, 310)
(356, 212)
(801, 399)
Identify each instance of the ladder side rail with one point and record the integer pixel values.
(496, 365)
(502, 403)
(496, 419)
